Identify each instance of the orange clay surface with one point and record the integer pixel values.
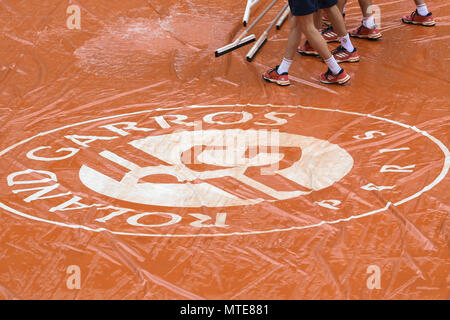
(97, 128)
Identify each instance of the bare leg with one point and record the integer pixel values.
(295, 36)
(341, 5)
(313, 35)
(418, 2)
(318, 19)
(365, 5)
(337, 21)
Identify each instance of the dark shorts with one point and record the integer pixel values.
(305, 7)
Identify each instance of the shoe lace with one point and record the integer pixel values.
(338, 49)
(328, 29)
(328, 73)
(359, 28)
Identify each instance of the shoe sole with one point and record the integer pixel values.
(335, 39)
(342, 81)
(351, 60)
(374, 37)
(280, 83)
(308, 53)
(425, 24)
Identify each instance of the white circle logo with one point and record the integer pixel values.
(228, 153)
(219, 170)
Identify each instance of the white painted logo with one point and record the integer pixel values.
(320, 165)
(223, 170)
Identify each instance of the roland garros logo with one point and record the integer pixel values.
(219, 170)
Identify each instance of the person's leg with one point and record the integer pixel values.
(368, 17)
(306, 48)
(421, 7)
(345, 52)
(303, 22)
(337, 20)
(298, 25)
(294, 38)
(318, 19)
(279, 74)
(335, 73)
(329, 33)
(421, 16)
(368, 28)
(313, 35)
(341, 5)
(364, 5)
(302, 8)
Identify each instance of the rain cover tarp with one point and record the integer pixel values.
(133, 158)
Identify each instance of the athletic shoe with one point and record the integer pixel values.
(329, 35)
(329, 78)
(307, 50)
(416, 18)
(366, 33)
(273, 76)
(342, 55)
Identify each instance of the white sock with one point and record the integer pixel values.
(347, 43)
(333, 65)
(422, 9)
(284, 66)
(369, 22)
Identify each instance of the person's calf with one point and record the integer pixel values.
(317, 42)
(337, 20)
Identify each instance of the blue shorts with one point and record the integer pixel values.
(305, 7)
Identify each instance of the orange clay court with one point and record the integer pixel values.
(134, 164)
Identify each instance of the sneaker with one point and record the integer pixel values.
(307, 50)
(416, 18)
(329, 35)
(273, 76)
(366, 33)
(342, 55)
(329, 78)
